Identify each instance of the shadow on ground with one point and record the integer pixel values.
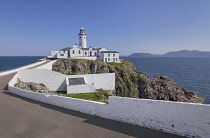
(124, 128)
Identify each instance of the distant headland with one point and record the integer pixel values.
(182, 53)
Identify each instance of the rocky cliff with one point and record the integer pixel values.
(129, 83)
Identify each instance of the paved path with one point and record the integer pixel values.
(25, 118)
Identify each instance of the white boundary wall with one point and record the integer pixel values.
(84, 106)
(175, 117)
(47, 66)
(57, 81)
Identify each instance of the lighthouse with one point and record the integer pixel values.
(82, 38)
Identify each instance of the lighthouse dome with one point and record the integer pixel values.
(82, 28)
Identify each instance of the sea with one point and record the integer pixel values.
(190, 73)
(11, 62)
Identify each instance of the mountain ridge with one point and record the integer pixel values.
(181, 53)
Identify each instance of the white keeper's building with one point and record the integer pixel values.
(83, 52)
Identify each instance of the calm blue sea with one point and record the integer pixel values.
(10, 62)
(190, 73)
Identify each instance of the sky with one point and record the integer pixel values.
(36, 27)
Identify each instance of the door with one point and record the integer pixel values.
(113, 59)
(105, 59)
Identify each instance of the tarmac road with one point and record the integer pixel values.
(24, 118)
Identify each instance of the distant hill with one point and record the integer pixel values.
(187, 53)
(141, 55)
(182, 53)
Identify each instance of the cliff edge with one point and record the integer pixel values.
(129, 83)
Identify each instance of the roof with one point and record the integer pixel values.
(85, 48)
(109, 52)
(66, 49)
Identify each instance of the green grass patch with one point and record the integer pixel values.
(71, 73)
(114, 63)
(85, 96)
(99, 96)
(16, 85)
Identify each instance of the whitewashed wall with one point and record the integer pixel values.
(47, 66)
(53, 80)
(59, 54)
(84, 106)
(111, 57)
(174, 117)
(57, 81)
(89, 58)
(104, 80)
(62, 54)
(76, 52)
(83, 88)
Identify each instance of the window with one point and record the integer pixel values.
(95, 53)
(108, 59)
(79, 51)
(73, 51)
(85, 53)
(116, 59)
(84, 37)
(61, 54)
(108, 55)
(113, 55)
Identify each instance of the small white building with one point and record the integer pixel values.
(59, 54)
(109, 56)
(83, 52)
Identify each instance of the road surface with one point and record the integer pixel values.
(24, 118)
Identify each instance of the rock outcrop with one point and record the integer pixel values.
(129, 83)
(34, 87)
(163, 88)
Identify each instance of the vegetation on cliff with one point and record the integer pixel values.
(129, 83)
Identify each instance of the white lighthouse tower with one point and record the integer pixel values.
(82, 38)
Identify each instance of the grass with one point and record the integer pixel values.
(114, 63)
(99, 96)
(16, 84)
(71, 73)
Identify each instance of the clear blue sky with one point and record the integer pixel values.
(35, 27)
